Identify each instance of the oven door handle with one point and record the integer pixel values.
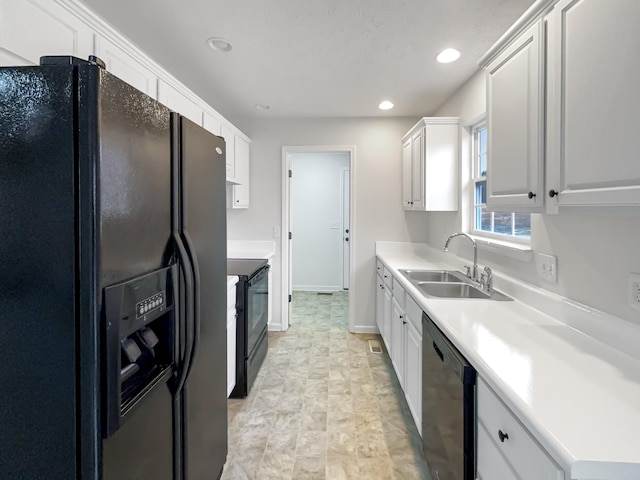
(263, 271)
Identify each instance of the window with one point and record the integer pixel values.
(503, 225)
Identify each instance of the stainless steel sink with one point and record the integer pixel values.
(459, 290)
(449, 276)
(451, 290)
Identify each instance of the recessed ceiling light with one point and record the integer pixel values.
(386, 105)
(448, 55)
(261, 106)
(219, 44)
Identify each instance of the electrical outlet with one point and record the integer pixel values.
(547, 267)
(634, 290)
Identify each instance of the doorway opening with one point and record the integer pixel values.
(318, 214)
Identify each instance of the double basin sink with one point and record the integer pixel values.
(449, 284)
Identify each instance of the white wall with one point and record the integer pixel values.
(316, 219)
(595, 252)
(377, 176)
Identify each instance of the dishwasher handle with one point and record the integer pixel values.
(438, 351)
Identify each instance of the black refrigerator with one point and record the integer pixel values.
(112, 281)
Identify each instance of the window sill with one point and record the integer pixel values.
(517, 251)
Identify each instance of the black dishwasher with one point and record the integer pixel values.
(448, 407)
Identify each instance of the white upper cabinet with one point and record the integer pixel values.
(230, 139)
(238, 196)
(515, 124)
(30, 29)
(126, 67)
(562, 107)
(216, 126)
(594, 74)
(407, 173)
(176, 101)
(430, 165)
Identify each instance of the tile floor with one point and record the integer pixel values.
(323, 406)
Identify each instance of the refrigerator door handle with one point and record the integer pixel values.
(196, 297)
(185, 265)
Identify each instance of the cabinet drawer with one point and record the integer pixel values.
(398, 293)
(491, 463)
(520, 449)
(379, 267)
(388, 278)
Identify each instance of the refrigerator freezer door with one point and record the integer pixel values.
(38, 392)
(203, 219)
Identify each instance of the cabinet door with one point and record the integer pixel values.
(379, 303)
(386, 319)
(397, 339)
(125, 67)
(240, 192)
(417, 170)
(515, 116)
(440, 167)
(413, 373)
(594, 103)
(177, 102)
(230, 139)
(491, 463)
(30, 29)
(407, 174)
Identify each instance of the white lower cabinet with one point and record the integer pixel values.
(231, 339)
(379, 303)
(387, 332)
(399, 320)
(413, 360)
(502, 439)
(491, 464)
(398, 341)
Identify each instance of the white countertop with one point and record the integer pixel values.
(578, 396)
(231, 281)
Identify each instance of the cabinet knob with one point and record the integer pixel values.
(531, 195)
(552, 193)
(404, 322)
(503, 436)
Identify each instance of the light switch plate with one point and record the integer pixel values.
(547, 267)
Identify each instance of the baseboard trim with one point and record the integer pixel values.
(274, 327)
(316, 288)
(364, 329)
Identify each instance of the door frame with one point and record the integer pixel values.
(345, 196)
(287, 151)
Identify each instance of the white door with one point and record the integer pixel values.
(346, 229)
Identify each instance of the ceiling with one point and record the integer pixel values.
(315, 58)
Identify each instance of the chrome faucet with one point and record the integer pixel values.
(486, 279)
(473, 272)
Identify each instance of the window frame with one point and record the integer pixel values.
(475, 128)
